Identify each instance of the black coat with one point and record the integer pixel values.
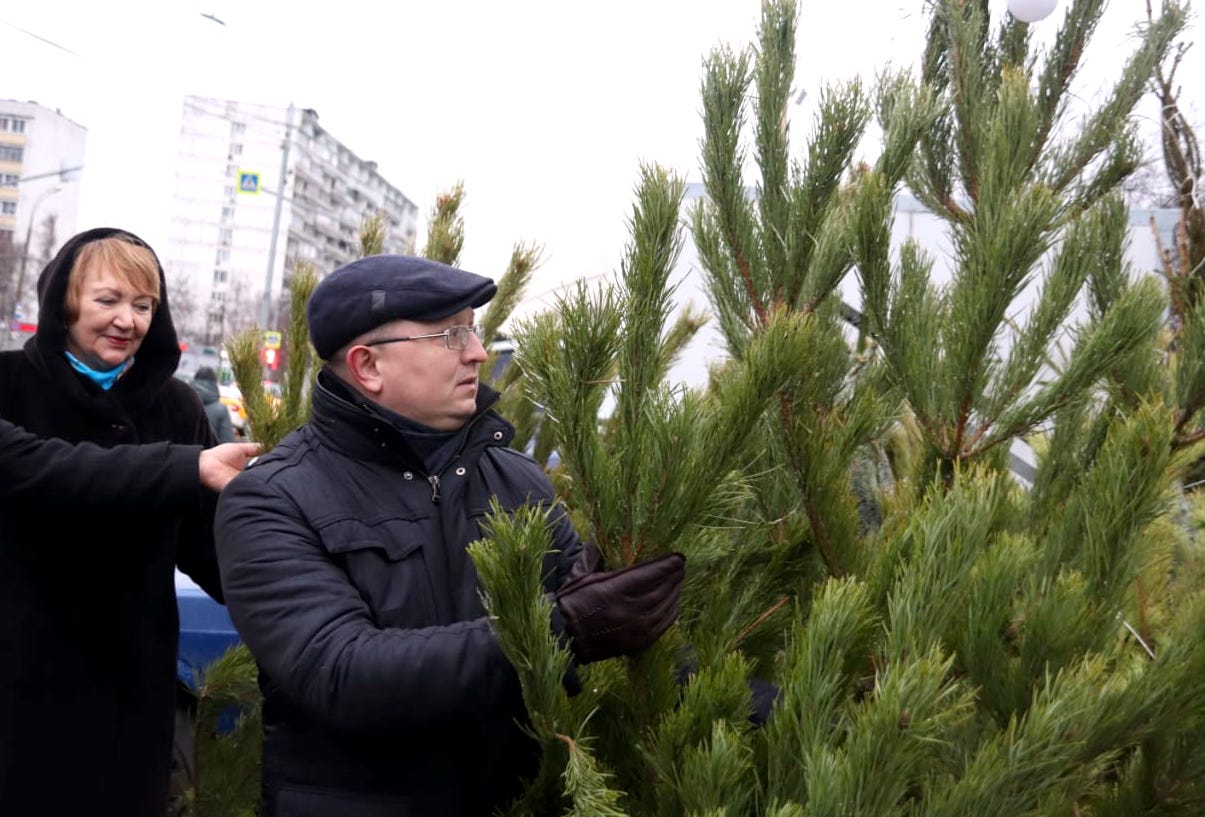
(386, 691)
(53, 473)
(88, 621)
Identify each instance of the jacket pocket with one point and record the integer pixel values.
(384, 559)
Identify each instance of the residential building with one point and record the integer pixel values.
(238, 229)
(41, 156)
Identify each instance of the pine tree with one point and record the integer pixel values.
(945, 640)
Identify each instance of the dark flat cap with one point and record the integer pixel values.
(368, 292)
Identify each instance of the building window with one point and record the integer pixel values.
(231, 169)
(236, 149)
(9, 153)
(9, 180)
(236, 128)
(8, 208)
(10, 125)
(219, 276)
(225, 235)
(217, 296)
(229, 190)
(227, 213)
(223, 256)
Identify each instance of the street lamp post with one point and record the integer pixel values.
(25, 252)
(265, 305)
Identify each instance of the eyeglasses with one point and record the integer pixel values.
(455, 338)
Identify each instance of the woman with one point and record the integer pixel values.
(88, 621)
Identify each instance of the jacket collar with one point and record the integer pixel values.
(345, 420)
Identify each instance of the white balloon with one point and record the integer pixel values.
(1030, 11)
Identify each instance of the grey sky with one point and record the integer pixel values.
(543, 108)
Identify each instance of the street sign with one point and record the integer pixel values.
(272, 340)
(248, 181)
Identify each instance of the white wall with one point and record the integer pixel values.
(911, 222)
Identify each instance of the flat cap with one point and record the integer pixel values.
(368, 292)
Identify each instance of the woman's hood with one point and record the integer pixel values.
(159, 354)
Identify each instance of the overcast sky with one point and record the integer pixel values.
(543, 108)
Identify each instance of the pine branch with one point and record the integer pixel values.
(445, 227)
(511, 563)
(372, 234)
(227, 755)
(966, 24)
(686, 326)
(888, 745)
(568, 356)
(655, 245)
(774, 71)
(1092, 248)
(524, 261)
(1067, 163)
(838, 128)
(1103, 346)
(1061, 65)
(725, 79)
(825, 658)
(270, 419)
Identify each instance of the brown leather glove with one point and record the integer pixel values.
(618, 612)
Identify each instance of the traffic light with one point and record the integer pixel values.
(270, 352)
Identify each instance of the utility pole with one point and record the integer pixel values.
(265, 307)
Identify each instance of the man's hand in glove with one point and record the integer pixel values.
(618, 612)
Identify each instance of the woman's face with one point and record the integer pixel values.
(113, 320)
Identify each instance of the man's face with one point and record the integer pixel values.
(424, 380)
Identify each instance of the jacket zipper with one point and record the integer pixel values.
(433, 480)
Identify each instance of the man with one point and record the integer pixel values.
(156, 475)
(343, 562)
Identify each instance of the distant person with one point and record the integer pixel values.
(205, 383)
(88, 619)
(343, 556)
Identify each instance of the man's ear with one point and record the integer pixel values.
(362, 369)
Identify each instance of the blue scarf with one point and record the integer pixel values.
(103, 379)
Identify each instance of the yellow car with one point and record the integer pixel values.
(232, 399)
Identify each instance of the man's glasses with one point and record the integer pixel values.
(455, 338)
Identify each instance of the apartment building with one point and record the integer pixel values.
(41, 156)
(258, 189)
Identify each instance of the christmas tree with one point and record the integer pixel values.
(943, 639)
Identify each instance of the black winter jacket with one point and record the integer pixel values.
(386, 692)
(88, 620)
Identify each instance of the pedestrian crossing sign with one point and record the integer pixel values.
(248, 181)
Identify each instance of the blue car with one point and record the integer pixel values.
(206, 632)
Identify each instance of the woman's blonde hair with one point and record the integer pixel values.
(132, 263)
